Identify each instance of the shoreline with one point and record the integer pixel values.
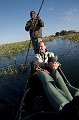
(15, 48)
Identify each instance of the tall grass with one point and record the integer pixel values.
(73, 36)
(13, 48)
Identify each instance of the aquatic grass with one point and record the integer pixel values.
(18, 47)
(50, 38)
(13, 48)
(11, 70)
(71, 36)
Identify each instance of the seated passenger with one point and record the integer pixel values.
(47, 62)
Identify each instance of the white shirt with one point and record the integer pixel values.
(43, 59)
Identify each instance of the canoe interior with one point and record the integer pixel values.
(35, 105)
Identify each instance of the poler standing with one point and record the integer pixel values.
(34, 26)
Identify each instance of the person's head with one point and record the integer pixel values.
(33, 14)
(42, 47)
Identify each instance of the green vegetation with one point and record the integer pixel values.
(74, 37)
(71, 35)
(10, 70)
(49, 38)
(18, 47)
(13, 48)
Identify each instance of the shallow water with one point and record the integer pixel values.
(12, 87)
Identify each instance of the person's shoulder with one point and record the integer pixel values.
(29, 20)
(36, 55)
(50, 53)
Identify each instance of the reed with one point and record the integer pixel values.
(13, 48)
(73, 36)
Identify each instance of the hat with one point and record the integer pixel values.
(52, 59)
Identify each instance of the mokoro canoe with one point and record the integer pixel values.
(35, 104)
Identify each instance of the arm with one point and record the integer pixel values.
(53, 66)
(41, 61)
(53, 62)
(40, 22)
(29, 25)
(38, 64)
(37, 68)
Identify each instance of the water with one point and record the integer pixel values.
(16, 60)
(12, 87)
(68, 54)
